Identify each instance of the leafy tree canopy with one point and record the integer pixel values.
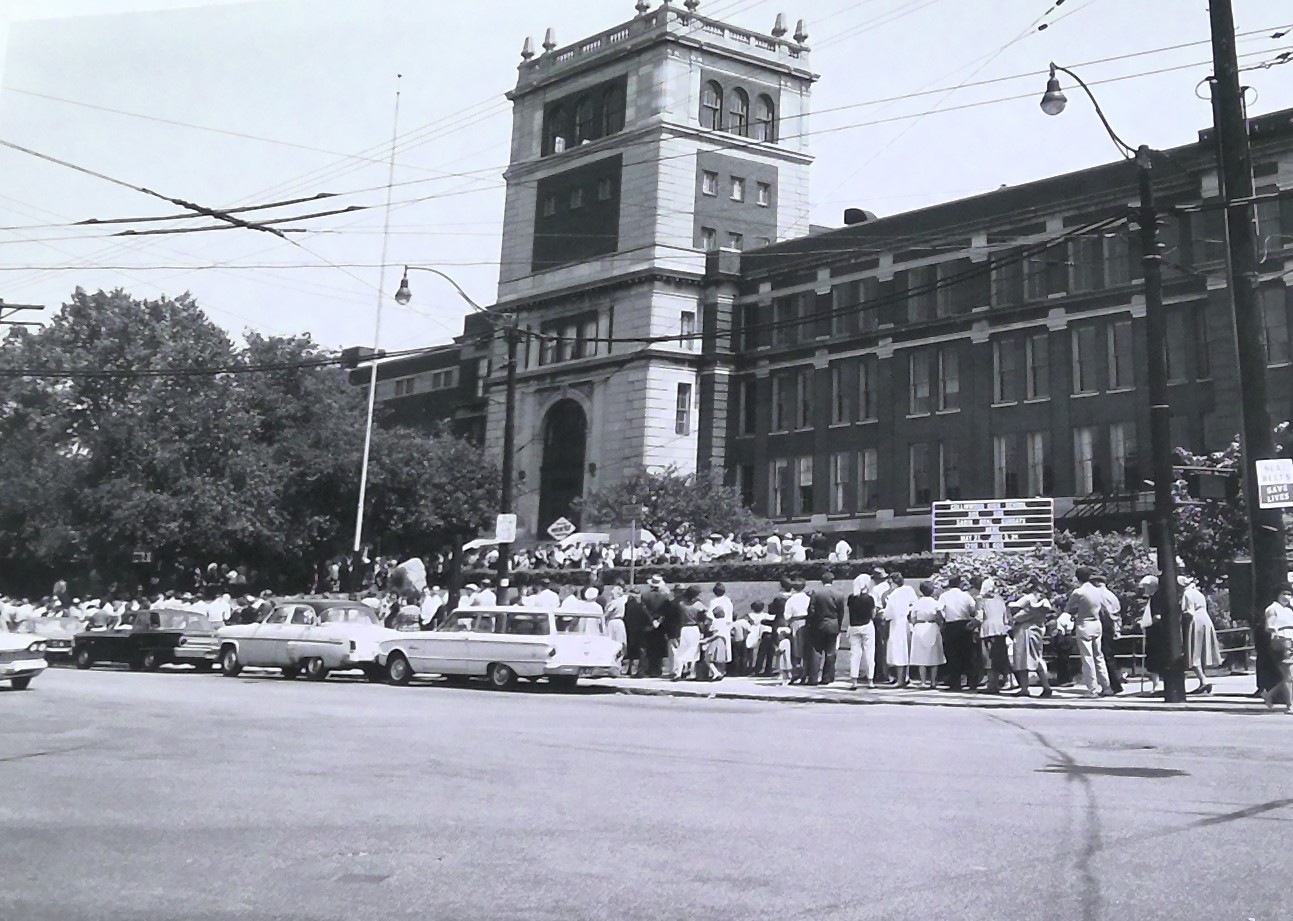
(675, 505)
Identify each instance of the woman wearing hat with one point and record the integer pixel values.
(1201, 634)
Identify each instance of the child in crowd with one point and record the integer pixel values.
(785, 667)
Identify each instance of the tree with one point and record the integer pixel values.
(675, 505)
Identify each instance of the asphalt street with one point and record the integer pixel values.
(175, 795)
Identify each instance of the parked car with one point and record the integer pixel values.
(502, 644)
(58, 634)
(22, 657)
(310, 636)
(147, 640)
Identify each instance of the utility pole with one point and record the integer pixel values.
(1160, 427)
(11, 310)
(1266, 526)
(510, 331)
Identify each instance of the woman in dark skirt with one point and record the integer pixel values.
(1154, 622)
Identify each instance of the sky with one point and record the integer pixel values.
(254, 101)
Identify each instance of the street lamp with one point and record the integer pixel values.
(1160, 412)
(506, 322)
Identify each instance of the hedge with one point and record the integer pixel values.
(912, 566)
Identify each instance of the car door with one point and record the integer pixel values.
(297, 645)
(485, 642)
(524, 641)
(266, 644)
(440, 652)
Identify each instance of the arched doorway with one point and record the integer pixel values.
(561, 476)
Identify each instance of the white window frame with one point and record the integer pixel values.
(709, 183)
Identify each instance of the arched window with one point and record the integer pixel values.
(711, 106)
(765, 120)
(554, 131)
(612, 110)
(584, 120)
(738, 112)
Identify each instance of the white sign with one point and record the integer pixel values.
(1275, 483)
(561, 529)
(505, 529)
(994, 524)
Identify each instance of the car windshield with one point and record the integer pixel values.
(574, 623)
(181, 620)
(360, 614)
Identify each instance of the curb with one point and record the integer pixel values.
(1226, 704)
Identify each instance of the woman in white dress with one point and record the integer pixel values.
(926, 635)
(897, 605)
(1204, 648)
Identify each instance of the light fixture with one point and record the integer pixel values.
(403, 295)
(1053, 100)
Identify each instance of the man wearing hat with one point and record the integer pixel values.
(654, 641)
(1084, 605)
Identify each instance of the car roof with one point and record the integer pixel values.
(518, 609)
(320, 604)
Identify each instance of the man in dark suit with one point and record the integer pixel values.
(654, 640)
(825, 614)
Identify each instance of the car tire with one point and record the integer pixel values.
(204, 666)
(565, 682)
(21, 684)
(501, 677)
(83, 659)
(230, 666)
(374, 673)
(398, 670)
(291, 672)
(150, 661)
(315, 670)
(136, 664)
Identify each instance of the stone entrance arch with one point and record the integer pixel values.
(561, 474)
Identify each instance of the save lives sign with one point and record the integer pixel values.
(1275, 483)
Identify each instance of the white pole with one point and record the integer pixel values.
(377, 327)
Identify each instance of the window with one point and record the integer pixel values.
(1122, 367)
(921, 293)
(841, 405)
(586, 338)
(1086, 469)
(839, 482)
(554, 138)
(1037, 361)
(687, 329)
(736, 241)
(1122, 458)
(765, 120)
(709, 183)
(1086, 359)
(1007, 467)
(448, 379)
(711, 106)
(785, 316)
(576, 199)
(921, 370)
(682, 414)
(612, 109)
(748, 408)
(778, 486)
(1202, 351)
(866, 389)
(922, 487)
(708, 239)
(738, 188)
(605, 189)
(763, 194)
(1007, 280)
(1035, 287)
(747, 327)
(762, 241)
(569, 338)
(549, 206)
(780, 402)
(1275, 325)
(1176, 333)
(1086, 263)
(950, 458)
(738, 112)
(404, 387)
(584, 120)
(1040, 482)
(804, 391)
(1268, 228)
(869, 491)
(949, 379)
(1117, 260)
(804, 486)
(1005, 370)
(745, 484)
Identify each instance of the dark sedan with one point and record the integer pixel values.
(147, 640)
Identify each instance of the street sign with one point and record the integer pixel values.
(561, 529)
(505, 529)
(993, 524)
(141, 556)
(1275, 483)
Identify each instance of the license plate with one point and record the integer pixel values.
(585, 673)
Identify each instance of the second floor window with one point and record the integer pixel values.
(738, 112)
(779, 488)
(738, 188)
(1008, 466)
(709, 183)
(764, 194)
(1087, 476)
(841, 405)
(1123, 461)
(687, 329)
(839, 481)
(921, 366)
(1040, 481)
(1122, 365)
(949, 379)
(708, 239)
(748, 408)
(711, 106)
(1037, 366)
(866, 389)
(804, 404)
(1005, 370)
(1086, 359)
(869, 479)
(780, 402)
(1275, 325)
(804, 486)
(682, 415)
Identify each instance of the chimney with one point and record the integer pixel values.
(857, 216)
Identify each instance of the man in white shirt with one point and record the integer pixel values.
(430, 607)
(774, 549)
(486, 597)
(796, 616)
(958, 636)
(220, 610)
(879, 589)
(1084, 605)
(843, 550)
(545, 598)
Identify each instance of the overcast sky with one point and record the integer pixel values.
(248, 102)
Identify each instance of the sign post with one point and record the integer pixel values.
(561, 529)
(505, 529)
(1275, 483)
(993, 524)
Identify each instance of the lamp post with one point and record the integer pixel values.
(1160, 413)
(508, 323)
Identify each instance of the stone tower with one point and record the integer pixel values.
(635, 154)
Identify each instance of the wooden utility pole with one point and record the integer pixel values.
(8, 311)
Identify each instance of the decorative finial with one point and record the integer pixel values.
(691, 5)
(801, 34)
(642, 6)
(527, 50)
(549, 39)
(780, 28)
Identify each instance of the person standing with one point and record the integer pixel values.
(1203, 647)
(1028, 630)
(796, 617)
(764, 639)
(879, 590)
(636, 626)
(897, 608)
(994, 627)
(1110, 630)
(686, 646)
(958, 610)
(926, 637)
(1084, 606)
(825, 615)
(1279, 626)
(860, 612)
(655, 637)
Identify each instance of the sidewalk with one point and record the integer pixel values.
(1230, 694)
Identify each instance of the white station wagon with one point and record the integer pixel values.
(504, 643)
(310, 636)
